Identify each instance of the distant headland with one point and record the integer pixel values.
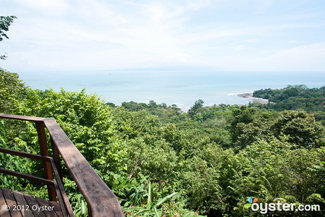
(254, 99)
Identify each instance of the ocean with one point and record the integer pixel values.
(180, 88)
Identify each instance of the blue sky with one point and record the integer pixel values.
(221, 35)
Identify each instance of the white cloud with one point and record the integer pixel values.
(304, 58)
(95, 34)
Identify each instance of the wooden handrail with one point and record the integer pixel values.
(22, 118)
(100, 199)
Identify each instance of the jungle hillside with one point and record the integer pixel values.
(162, 161)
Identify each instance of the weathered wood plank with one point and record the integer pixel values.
(25, 209)
(27, 176)
(100, 199)
(21, 117)
(61, 204)
(25, 154)
(62, 196)
(33, 204)
(56, 159)
(47, 208)
(26, 205)
(11, 202)
(45, 152)
(4, 212)
(57, 208)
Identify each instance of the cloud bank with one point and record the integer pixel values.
(115, 35)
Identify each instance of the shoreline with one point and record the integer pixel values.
(254, 99)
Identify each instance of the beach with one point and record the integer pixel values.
(254, 99)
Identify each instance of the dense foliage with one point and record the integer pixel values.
(161, 161)
(296, 97)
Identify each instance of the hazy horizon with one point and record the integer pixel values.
(171, 52)
(181, 88)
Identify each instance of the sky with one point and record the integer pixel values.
(220, 35)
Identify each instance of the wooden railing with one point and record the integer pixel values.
(100, 199)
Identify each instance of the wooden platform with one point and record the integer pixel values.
(101, 201)
(13, 203)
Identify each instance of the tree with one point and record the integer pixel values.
(300, 128)
(197, 105)
(5, 22)
(11, 89)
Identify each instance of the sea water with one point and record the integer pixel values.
(180, 88)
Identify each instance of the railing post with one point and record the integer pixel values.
(45, 152)
(89, 211)
(56, 159)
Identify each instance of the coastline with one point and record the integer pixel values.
(254, 99)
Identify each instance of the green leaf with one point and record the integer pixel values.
(165, 198)
(149, 203)
(156, 212)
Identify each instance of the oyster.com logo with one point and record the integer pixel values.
(277, 205)
(251, 201)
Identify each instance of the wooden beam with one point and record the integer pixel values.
(4, 212)
(43, 203)
(21, 117)
(24, 154)
(11, 202)
(56, 158)
(100, 199)
(31, 201)
(45, 152)
(22, 202)
(27, 176)
(62, 196)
